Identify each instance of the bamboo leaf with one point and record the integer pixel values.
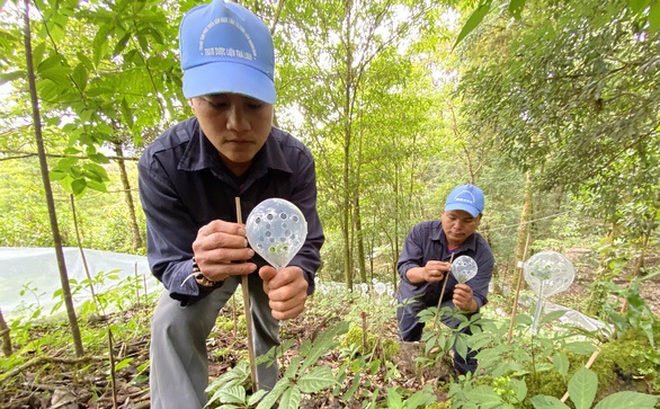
(473, 21)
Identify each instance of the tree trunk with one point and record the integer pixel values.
(128, 198)
(4, 335)
(347, 202)
(521, 238)
(57, 238)
(362, 265)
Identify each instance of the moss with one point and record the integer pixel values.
(391, 348)
(548, 383)
(354, 338)
(629, 359)
(439, 405)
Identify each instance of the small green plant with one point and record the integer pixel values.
(302, 376)
(582, 389)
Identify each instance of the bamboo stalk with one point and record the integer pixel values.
(246, 309)
(444, 284)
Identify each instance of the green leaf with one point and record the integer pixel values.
(473, 21)
(654, 15)
(580, 347)
(78, 186)
(461, 346)
(520, 388)
(290, 398)
(420, 398)
(637, 6)
(99, 158)
(123, 363)
(290, 372)
(253, 399)
(628, 400)
(80, 76)
(95, 172)
(270, 399)
(323, 343)
(515, 7)
(485, 397)
(58, 174)
(548, 402)
(234, 394)
(316, 380)
(121, 44)
(552, 316)
(523, 319)
(560, 361)
(10, 76)
(394, 400)
(351, 390)
(582, 388)
(98, 186)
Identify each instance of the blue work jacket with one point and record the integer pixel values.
(426, 241)
(184, 185)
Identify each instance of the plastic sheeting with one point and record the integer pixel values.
(37, 268)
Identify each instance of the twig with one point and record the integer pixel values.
(444, 284)
(246, 309)
(113, 381)
(48, 359)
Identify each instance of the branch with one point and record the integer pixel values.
(23, 154)
(49, 359)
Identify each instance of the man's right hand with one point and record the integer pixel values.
(221, 249)
(434, 271)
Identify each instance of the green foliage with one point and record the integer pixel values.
(638, 315)
(302, 376)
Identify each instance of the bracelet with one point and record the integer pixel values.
(201, 278)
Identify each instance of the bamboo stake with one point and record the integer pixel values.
(515, 298)
(444, 284)
(246, 309)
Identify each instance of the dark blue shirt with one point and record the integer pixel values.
(426, 241)
(184, 185)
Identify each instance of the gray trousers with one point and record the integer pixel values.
(179, 360)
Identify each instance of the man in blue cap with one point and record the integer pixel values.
(425, 263)
(189, 178)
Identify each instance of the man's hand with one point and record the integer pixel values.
(463, 299)
(221, 249)
(286, 290)
(434, 271)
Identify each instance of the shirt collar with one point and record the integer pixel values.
(201, 154)
(469, 244)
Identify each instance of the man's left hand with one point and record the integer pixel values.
(463, 299)
(286, 290)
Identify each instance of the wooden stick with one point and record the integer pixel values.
(248, 314)
(515, 298)
(444, 284)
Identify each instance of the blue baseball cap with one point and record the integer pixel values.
(466, 197)
(226, 48)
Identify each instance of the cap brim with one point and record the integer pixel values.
(465, 207)
(221, 77)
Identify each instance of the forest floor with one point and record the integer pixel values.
(52, 378)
